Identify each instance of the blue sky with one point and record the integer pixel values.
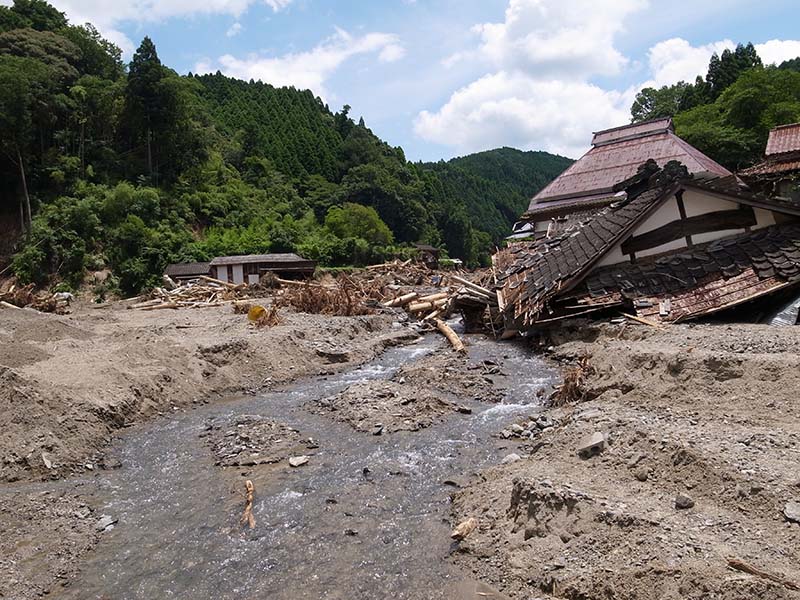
(445, 77)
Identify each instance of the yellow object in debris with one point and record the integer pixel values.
(255, 313)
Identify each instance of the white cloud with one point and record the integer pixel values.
(558, 37)
(234, 30)
(676, 60)
(108, 16)
(777, 51)
(513, 109)
(307, 70)
(392, 53)
(539, 93)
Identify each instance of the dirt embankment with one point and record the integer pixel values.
(699, 465)
(66, 383)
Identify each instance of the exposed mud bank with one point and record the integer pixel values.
(702, 443)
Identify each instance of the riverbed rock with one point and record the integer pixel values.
(591, 445)
(298, 461)
(105, 523)
(464, 529)
(683, 502)
(511, 458)
(792, 511)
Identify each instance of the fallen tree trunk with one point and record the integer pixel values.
(451, 335)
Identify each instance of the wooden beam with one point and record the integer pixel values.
(715, 221)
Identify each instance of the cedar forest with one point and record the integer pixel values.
(133, 166)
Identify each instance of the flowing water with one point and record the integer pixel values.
(366, 518)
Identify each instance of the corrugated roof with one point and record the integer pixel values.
(188, 269)
(613, 161)
(783, 139)
(258, 258)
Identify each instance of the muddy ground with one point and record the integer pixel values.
(68, 383)
(700, 466)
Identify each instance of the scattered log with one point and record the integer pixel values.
(402, 300)
(451, 335)
(422, 306)
(742, 566)
(248, 517)
(230, 286)
(5, 304)
(474, 287)
(435, 297)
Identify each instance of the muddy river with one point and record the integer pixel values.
(367, 517)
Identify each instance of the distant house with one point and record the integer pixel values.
(586, 187)
(779, 173)
(186, 271)
(249, 268)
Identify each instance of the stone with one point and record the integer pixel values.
(682, 502)
(377, 429)
(636, 459)
(505, 434)
(464, 410)
(511, 458)
(298, 461)
(642, 474)
(46, 460)
(544, 422)
(105, 523)
(517, 428)
(792, 511)
(591, 445)
(464, 529)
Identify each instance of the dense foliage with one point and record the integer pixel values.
(728, 114)
(134, 166)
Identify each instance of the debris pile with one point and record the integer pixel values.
(25, 297)
(345, 297)
(197, 293)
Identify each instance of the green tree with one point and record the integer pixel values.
(358, 221)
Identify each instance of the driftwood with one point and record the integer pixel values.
(451, 335)
(402, 300)
(742, 566)
(5, 304)
(642, 320)
(248, 517)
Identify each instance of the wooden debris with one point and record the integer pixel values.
(451, 335)
(402, 300)
(248, 517)
(643, 320)
(742, 566)
(464, 529)
(202, 292)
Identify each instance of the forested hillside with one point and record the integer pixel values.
(728, 114)
(104, 164)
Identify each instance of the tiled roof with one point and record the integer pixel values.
(783, 139)
(613, 161)
(552, 266)
(188, 269)
(558, 208)
(626, 132)
(774, 165)
(705, 278)
(258, 258)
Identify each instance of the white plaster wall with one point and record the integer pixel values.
(222, 273)
(700, 203)
(238, 274)
(765, 218)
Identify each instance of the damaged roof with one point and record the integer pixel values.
(616, 154)
(783, 139)
(258, 258)
(188, 269)
(531, 276)
(553, 266)
(706, 278)
(782, 154)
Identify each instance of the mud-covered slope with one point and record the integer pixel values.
(703, 442)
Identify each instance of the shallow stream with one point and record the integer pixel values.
(366, 518)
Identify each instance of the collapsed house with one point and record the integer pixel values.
(779, 173)
(668, 247)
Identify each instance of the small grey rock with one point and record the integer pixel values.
(642, 474)
(682, 502)
(792, 511)
(298, 461)
(505, 434)
(517, 428)
(105, 523)
(591, 445)
(511, 458)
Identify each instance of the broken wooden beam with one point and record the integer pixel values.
(402, 300)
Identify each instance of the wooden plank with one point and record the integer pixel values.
(722, 220)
